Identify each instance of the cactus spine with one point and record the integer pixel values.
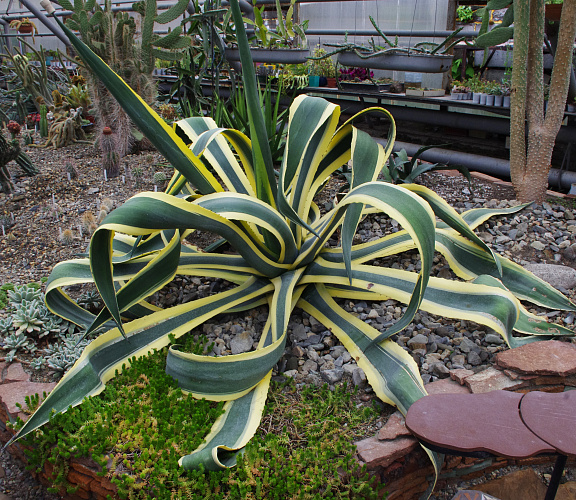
(43, 120)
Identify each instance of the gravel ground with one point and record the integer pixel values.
(539, 234)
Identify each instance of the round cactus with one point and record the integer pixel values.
(67, 237)
(14, 128)
(159, 178)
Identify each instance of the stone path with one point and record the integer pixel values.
(401, 464)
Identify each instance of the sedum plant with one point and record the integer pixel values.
(28, 320)
(281, 259)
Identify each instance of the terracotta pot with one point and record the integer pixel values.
(553, 11)
(25, 28)
(331, 83)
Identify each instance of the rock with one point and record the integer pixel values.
(473, 495)
(299, 332)
(550, 357)
(460, 375)
(309, 366)
(474, 358)
(557, 275)
(376, 453)
(291, 364)
(467, 345)
(492, 380)
(419, 341)
(373, 314)
(524, 484)
(359, 377)
(298, 351)
(446, 386)
(538, 245)
(241, 343)
(440, 370)
(567, 491)
(15, 373)
(93, 191)
(394, 427)
(332, 376)
(15, 392)
(493, 338)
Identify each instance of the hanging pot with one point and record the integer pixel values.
(413, 62)
(25, 29)
(283, 56)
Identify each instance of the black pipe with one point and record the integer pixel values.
(485, 164)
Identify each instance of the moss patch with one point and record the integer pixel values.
(142, 423)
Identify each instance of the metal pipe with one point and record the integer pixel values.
(6, 25)
(485, 164)
(413, 34)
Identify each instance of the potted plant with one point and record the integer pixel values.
(465, 14)
(498, 93)
(24, 26)
(294, 76)
(424, 92)
(362, 79)
(423, 57)
(459, 91)
(571, 107)
(286, 45)
(477, 87)
(322, 67)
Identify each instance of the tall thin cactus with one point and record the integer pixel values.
(43, 120)
(531, 147)
(113, 37)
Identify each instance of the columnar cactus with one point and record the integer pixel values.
(8, 152)
(43, 120)
(113, 37)
(110, 157)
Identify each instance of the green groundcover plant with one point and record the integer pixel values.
(305, 441)
(226, 183)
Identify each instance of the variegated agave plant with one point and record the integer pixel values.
(281, 260)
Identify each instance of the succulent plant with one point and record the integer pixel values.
(88, 221)
(101, 216)
(107, 204)
(18, 341)
(67, 237)
(5, 324)
(24, 293)
(159, 178)
(27, 318)
(14, 128)
(63, 355)
(90, 300)
(37, 363)
(70, 168)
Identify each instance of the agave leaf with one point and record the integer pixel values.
(469, 261)
(262, 156)
(110, 351)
